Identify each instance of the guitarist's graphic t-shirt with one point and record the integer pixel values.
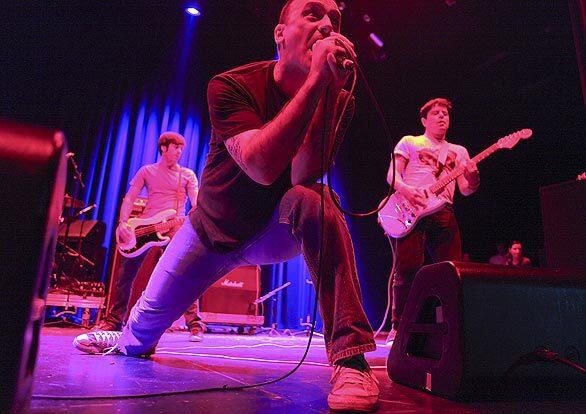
(429, 160)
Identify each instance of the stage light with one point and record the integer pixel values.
(377, 48)
(193, 11)
(376, 40)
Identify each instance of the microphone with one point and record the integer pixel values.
(70, 154)
(85, 210)
(344, 60)
(345, 63)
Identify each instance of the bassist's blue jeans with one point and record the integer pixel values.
(187, 268)
(437, 233)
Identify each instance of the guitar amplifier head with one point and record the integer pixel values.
(234, 292)
(138, 206)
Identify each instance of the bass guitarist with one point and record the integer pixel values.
(421, 161)
(168, 186)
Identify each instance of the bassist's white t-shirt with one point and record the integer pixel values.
(163, 187)
(424, 161)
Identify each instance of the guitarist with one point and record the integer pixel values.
(421, 160)
(168, 186)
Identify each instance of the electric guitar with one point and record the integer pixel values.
(149, 232)
(398, 217)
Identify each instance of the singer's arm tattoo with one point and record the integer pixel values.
(235, 150)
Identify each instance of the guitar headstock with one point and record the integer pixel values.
(511, 140)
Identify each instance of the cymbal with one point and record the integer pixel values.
(69, 202)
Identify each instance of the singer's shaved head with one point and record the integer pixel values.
(284, 16)
(302, 24)
(285, 11)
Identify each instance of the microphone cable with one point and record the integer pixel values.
(357, 69)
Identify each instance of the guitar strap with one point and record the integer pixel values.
(441, 158)
(177, 193)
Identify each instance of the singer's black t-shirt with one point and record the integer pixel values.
(231, 207)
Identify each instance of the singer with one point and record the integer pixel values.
(260, 201)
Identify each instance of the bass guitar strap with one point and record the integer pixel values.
(177, 193)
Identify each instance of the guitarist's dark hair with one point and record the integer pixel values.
(169, 137)
(436, 101)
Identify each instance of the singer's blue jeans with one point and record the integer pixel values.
(187, 268)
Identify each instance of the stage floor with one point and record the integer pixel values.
(233, 360)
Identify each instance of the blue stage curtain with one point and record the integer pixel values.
(125, 139)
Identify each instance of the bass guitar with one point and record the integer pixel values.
(149, 232)
(399, 216)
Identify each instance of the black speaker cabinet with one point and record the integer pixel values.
(563, 211)
(471, 330)
(32, 179)
(91, 232)
(85, 237)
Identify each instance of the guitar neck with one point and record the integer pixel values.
(445, 180)
(166, 225)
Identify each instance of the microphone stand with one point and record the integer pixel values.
(82, 213)
(76, 172)
(70, 216)
(271, 294)
(308, 325)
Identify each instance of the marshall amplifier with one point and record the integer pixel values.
(230, 300)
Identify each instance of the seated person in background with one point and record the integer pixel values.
(501, 257)
(515, 255)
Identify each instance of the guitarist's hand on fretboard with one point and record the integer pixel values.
(471, 174)
(173, 230)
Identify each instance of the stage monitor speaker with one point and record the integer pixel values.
(472, 330)
(234, 293)
(90, 231)
(563, 212)
(87, 236)
(32, 178)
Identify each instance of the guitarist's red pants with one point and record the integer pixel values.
(438, 235)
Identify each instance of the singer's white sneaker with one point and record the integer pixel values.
(391, 338)
(353, 390)
(97, 342)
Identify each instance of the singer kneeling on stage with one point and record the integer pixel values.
(260, 201)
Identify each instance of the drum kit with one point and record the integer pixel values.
(75, 270)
